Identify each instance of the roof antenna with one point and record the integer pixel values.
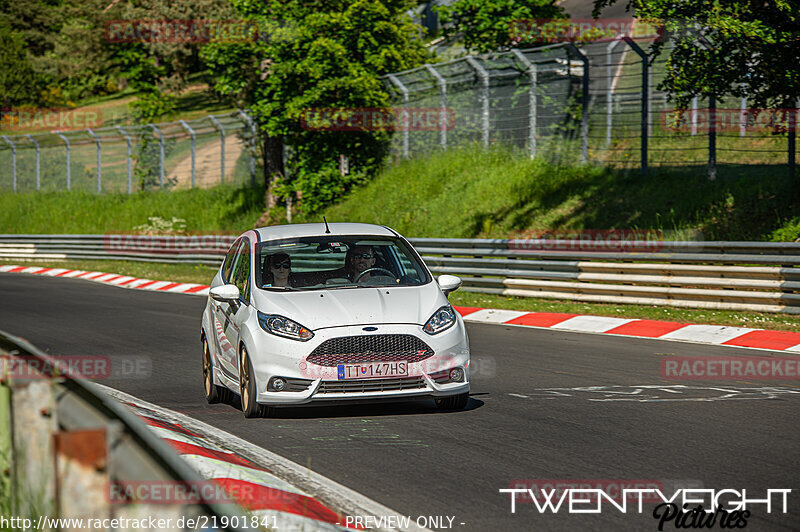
(327, 229)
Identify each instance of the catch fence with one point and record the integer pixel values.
(596, 102)
(124, 158)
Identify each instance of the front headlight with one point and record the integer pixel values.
(280, 326)
(442, 319)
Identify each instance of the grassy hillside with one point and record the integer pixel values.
(463, 193)
(473, 192)
(226, 209)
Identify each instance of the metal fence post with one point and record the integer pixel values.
(484, 98)
(694, 116)
(645, 107)
(404, 90)
(13, 162)
(252, 125)
(584, 102)
(38, 160)
(97, 140)
(610, 91)
(791, 135)
(5, 436)
(69, 170)
(649, 96)
(442, 104)
(712, 138)
(222, 145)
(128, 141)
(194, 151)
(160, 153)
(532, 102)
(743, 117)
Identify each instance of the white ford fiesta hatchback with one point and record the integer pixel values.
(331, 312)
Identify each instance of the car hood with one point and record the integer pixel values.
(319, 309)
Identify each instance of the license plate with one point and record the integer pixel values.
(372, 370)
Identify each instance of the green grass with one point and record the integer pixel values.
(193, 102)
(472, 192)
(192, 273)
(222, 209)
(755, 320)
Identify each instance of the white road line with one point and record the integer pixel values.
(181, 287)
(55, 271)
(74, 273)
(121, 280)
(591, 323)
(712, 334)
(137, 282)
(156, 285)
(493, 316)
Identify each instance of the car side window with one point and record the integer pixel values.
(241, 270)
(227, 265)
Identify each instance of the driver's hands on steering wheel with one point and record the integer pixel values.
(370, 270)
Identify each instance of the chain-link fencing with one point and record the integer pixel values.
(203, 152)
(595, 102)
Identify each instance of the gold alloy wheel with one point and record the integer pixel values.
(208, 377)
(244, 380)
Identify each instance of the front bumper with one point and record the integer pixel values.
(275, 356)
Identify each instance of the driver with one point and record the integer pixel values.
(357, 260)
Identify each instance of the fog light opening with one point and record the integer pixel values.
(456, 375)
(277, 384)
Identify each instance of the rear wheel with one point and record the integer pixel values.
(249, 392)
(213, 392)
(452, 402)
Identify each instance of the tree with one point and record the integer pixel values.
(491, 25)
(314, 55)
(740, 48)
(17, 78)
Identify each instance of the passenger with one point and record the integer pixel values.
(278, 270)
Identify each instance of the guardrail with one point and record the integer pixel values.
(65, 445)
(757, 276)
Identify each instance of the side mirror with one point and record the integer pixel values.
(448, 283)
(226, 293)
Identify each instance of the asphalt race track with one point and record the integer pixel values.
(525, 419)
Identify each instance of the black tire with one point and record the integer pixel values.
(213, 392)
(247, 385)
(452, 402)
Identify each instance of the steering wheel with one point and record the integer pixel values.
(369, 270)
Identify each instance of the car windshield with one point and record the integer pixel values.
(328, 262)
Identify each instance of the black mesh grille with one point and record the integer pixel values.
(441, 377)
(371, 385)
(297, 385)
(373, 348)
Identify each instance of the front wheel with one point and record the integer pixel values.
(248, 390)
(452, 402)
